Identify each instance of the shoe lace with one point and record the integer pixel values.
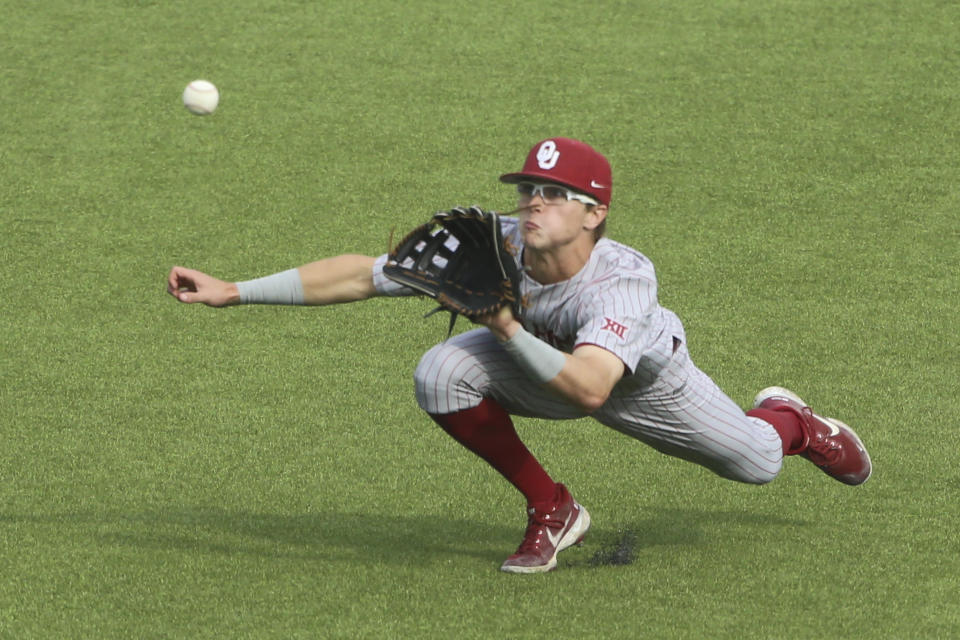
(536, 523)
(824, 451)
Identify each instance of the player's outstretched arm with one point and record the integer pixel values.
(335, 280)
(345, 278)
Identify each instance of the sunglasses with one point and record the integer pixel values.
(552, 194)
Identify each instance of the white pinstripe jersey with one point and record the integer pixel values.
(611, 303)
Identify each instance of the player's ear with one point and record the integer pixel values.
(596, 214)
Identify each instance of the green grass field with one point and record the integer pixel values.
(174, 471)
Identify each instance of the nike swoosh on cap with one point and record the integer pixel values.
(593, 183)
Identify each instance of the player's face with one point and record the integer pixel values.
(550, 218)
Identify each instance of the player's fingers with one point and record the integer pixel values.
(192, 276)
(179, 283)
(182, 294)
(174, 279)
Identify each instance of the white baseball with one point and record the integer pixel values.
(201, 97)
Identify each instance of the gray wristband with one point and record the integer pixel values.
(285, 287)
(538, 359)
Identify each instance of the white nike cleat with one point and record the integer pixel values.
(548, 533)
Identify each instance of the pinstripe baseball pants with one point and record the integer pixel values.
(683, 413)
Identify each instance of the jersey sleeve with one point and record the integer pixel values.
(623, 317)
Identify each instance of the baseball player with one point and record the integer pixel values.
(593, 340)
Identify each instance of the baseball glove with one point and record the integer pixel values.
(460, 259)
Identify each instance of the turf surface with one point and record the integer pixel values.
(182, 472)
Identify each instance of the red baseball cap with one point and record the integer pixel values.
(568, 162)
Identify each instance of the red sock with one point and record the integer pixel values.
(787, 425)
(488, 431)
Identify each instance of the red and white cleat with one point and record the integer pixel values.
(548, 533)
(828, 443)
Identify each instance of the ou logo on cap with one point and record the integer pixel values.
(548, 155)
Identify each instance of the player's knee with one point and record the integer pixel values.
(759, 478)
(440, 380)
(426, 375)
(750, 474)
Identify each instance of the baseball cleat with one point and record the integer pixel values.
(548, 533)
(828, 443)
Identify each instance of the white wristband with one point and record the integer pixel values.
(538, 359)
(285, 287)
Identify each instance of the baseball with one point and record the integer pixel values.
(201, 97)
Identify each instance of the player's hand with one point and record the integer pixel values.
(191, 286)
(501, 322)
